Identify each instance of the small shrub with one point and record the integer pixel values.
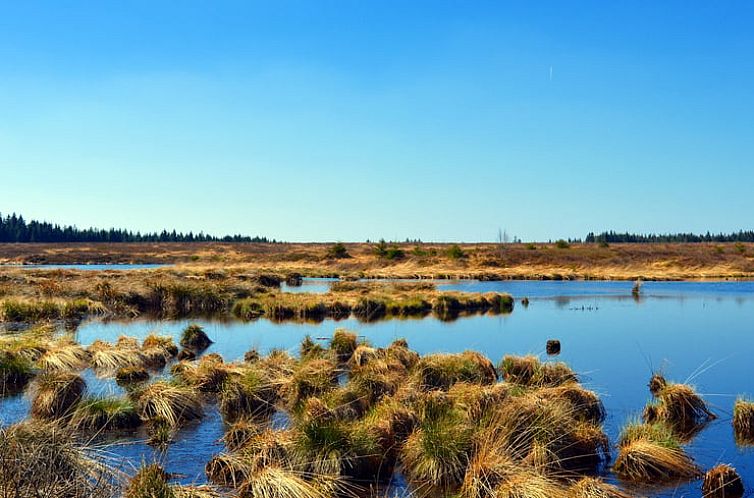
(562, 244)
(338, 251)
(455, 252)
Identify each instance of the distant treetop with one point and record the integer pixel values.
(13, 228)
(614, 237)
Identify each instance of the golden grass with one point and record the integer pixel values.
(54, 395)
(46, 460)
(64, 358)
(275, 482)
(722, 481)
(167, 402)
(743, 421)
(102, 414)
(591, 487)
(651, 453)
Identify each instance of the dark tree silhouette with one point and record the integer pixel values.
(14, 228)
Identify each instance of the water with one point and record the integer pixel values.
(97, 267)
(692, 331)
(561, 288)
(312, 285)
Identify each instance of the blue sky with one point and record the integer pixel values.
(348, 120)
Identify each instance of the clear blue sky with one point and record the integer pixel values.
(347, 120)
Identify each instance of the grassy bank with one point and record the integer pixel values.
(486, 261)
(37, 295)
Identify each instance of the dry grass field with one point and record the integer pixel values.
(486, 261)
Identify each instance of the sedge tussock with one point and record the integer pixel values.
(275, 482)
(150, 481)
(652, 453)
(592, 487)
(722, 481)
(40, 459)
(64, 358)
(54, 395)
(171, 403)
(101, 414)
(743, 421)
(677, 405)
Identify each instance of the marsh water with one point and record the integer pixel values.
(696, 332)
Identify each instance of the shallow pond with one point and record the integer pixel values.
(698, 332)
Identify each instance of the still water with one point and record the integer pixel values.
(700, 333)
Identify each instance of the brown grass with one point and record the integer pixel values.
(743, 422)
(722, 481)
(619, 261)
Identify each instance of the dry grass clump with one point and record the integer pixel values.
(543, 434)
(64, 357)
(107, 358)
(591, 487)
(651, 453)
(440, 371)
(530, 372)
(722, 481)
(311, 378)
(276, 482)
(743, 421)
(343, 343)
(44, 460)
(54, 395)
(438, 451)
(239, 433)
(158, 350)
(171, 403)
(194, 337)
(208, 375)
(585, 405)
(678, 406)
(309, 349)
(102, 414)
(15, 372)
(250, 392)
(131, 375)
(151, 481)
(260, 449)
(399, 351)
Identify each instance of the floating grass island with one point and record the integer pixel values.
(71, 296)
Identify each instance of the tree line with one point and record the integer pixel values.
(626, 237)
(14, 228)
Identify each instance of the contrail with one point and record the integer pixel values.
(550, 73)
